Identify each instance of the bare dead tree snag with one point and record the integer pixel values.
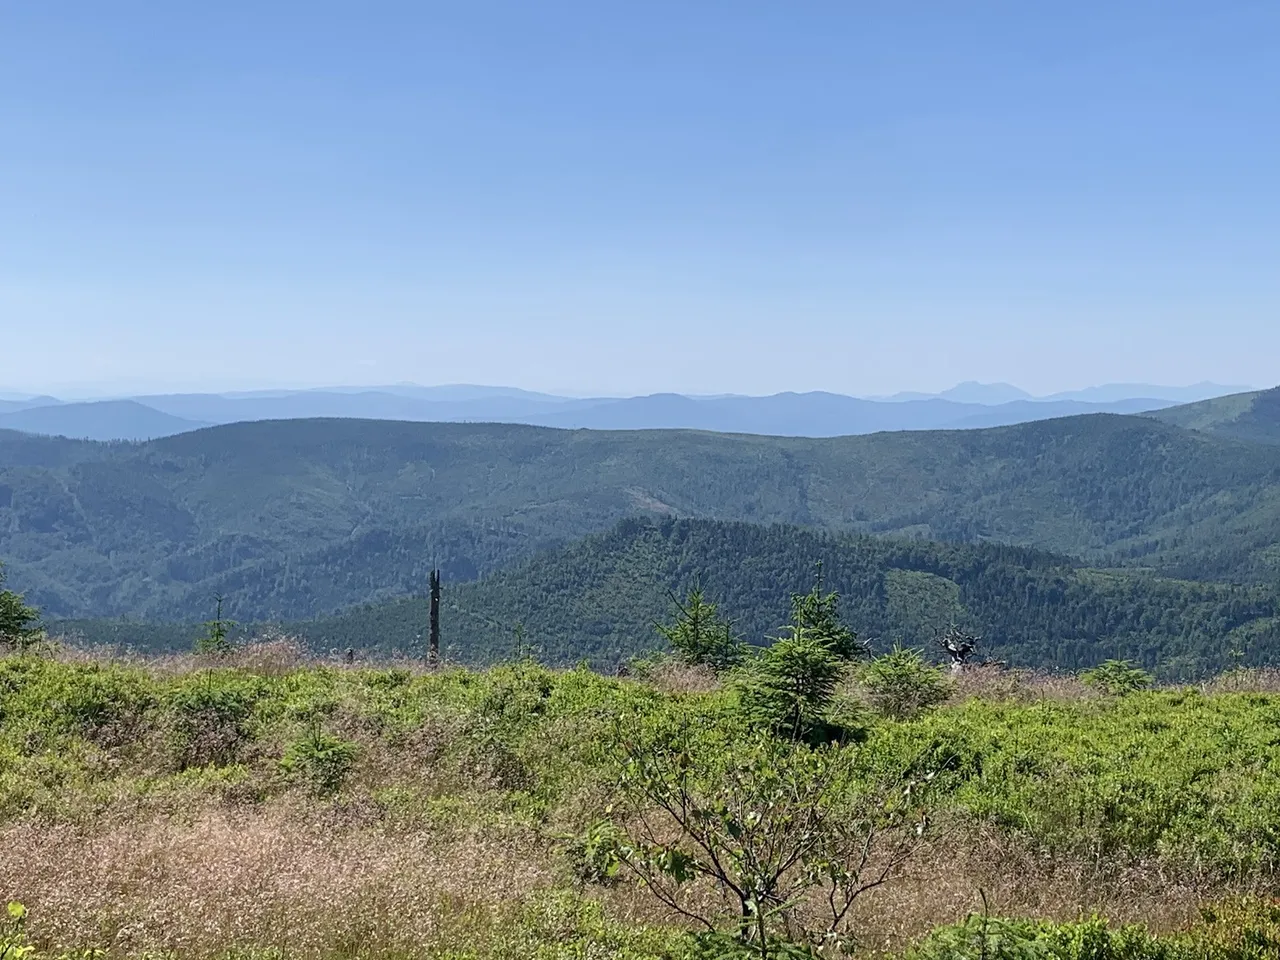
(959, 646)
(433, 641)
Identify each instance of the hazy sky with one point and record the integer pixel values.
(630, 197)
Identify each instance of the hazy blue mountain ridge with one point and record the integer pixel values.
(98, 420)
(815, 414)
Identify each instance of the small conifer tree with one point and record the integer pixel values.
(216, 639)
(699, 636)
(19, 623)
(816, 614)
(1117, 677)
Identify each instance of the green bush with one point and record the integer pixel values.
(981, 937)
(212, 718)
(560, 925)
(1244, 929)
(594, 854)
(720, 946)
(901, 685)
(1117, 677)
(1247, 929)
(51, 700)
(320, 759)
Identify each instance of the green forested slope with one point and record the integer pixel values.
(295, 518)
(599, 598)
(1254, 417)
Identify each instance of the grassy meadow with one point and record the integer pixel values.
(259, 804)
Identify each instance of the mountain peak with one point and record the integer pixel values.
(971, 391)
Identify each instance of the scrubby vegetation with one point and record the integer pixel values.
(256, 804)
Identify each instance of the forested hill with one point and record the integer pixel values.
(294, 518)
(598, 599)
(1243, 416)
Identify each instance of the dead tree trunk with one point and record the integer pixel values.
(959, 646)
(433, 641)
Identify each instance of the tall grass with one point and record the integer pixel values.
(145, 807)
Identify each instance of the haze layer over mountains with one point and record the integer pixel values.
(813, 414)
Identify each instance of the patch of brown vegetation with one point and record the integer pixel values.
(305, 884)
(949, 878)
(669, 675)
(1245, 680)
(996, 683)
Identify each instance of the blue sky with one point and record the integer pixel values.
(633, 197)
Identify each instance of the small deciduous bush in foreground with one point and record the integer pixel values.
(783, 834)
(901, 685)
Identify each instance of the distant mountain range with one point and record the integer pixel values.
(817, 414)
(995, 393)
(98, 420)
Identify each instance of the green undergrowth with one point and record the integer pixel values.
(556, 926)
(1244, 929)
(565, 926)
(1176, 773)
(1188, 779)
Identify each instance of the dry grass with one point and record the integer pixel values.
(314, 890)
(317, 882)
(992, 682)
(1245, 680)
(319, 879)
(270, 656)
(274, 880)
(671, 676)
(948, 879)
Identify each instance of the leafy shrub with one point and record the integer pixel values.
(901, 685)
(790, 836)
(1243, 929)
(562, 926)
(513, 698)
(595, 853)
(13, 934)
(1117, 677)
(392, 678)
(1246, 929)
(982, 937)
(211, 719)
(321, 759)
(713, 945)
